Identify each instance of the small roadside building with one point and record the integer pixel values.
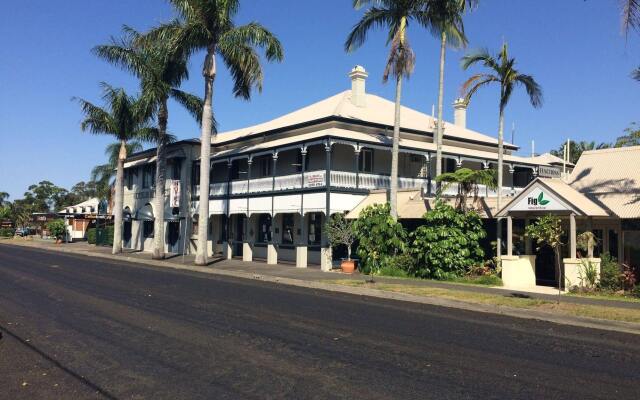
(80, 217)
(602, 195)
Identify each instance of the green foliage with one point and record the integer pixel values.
(7, 232)
(91, 235)
(379, 238)
(57, 228)
(588, 274)
(395, 272)
(610, 273)
(340, 232)
(448, 244)
(546, 230)
(468, 181)
(487, 280)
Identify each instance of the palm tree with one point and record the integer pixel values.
(395, 16)
(577, 148)
(161, 69)
(124, 118)
(445, 22)
(630, 15)
(501, 71)
(468, 181)
(103, 174)
(208, 25)
(3, 196)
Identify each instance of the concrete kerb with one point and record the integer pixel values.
(563, 319)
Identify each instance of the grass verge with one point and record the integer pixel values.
(578, 310)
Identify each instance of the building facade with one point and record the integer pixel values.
(273, 184)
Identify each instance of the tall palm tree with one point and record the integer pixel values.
(103, 174)
(125, 118)
(394, 16)
(445, 22)
(208, 25)
(501, 71)
(161, 69)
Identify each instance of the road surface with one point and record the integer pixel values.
(83, 327)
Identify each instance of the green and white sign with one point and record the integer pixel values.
(539, 199)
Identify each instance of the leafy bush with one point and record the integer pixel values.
(91, 235)
(588, 274)
(7, 232)
(57, 228)
(379, 238)
(448, 244)
(392, 271)
(610, 273)
(488, 280)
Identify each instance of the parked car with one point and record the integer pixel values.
(23, 232)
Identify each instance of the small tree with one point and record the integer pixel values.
(57, 228)
(468, 181)
(339, 231)
(379, 236)
(548, 230)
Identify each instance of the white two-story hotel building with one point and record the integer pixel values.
(273, 184)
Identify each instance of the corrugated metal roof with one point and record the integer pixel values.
(610, 177)
(412, 205)
(377, 110)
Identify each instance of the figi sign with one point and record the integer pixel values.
(539, 199)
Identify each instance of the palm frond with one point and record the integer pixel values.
(401, 61)
(630, 15)
(480, 56)
(533, 89)
(192, 103)
(636, 74)
(373, 18)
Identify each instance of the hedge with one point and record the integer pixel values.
(91, 236)
(6, 232)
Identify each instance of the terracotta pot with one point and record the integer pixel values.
(348, 266)
(58, 241)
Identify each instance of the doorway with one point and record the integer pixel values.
(173, 237)
(546, 267)
(238, 234)
(126, 234)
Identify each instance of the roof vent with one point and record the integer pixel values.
(358, 77)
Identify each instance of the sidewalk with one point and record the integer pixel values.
(354, 284)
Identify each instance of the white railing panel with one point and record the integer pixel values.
(261, 185)
(239, 187)
(287, 182)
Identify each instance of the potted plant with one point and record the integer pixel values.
(339, 231)
(57, 229)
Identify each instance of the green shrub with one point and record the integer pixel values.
(448, 245)
(610, 273)
(379, 238)
(392, 271)
(7, 232)
(57, 228)
(488, 280)
(91, 235)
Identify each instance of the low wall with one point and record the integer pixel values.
(519, 272)
(575, 271)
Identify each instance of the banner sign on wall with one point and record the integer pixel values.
(174, 195)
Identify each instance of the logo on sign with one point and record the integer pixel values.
(537, 201)
(174, 195)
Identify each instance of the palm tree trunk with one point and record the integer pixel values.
(499, 198)
(158, 201)
(119, 200)
(439, 133)
(395, 151)
(209, 73)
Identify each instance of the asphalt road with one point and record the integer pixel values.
(79, 327)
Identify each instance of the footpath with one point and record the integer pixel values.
(616, 315)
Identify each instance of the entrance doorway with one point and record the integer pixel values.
(546, 267)
(173, 237)
(126, 234)
(238, 234)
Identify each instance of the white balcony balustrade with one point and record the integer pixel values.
(340, 179)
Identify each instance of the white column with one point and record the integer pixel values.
(527, 241)
(509, 236)
(326, 258)
(572, 236)
(499, 238)
(272, 254)
(247, 251)
(301, 246)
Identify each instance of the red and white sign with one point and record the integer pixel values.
(174, 195)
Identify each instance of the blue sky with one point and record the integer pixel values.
(574, 48)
